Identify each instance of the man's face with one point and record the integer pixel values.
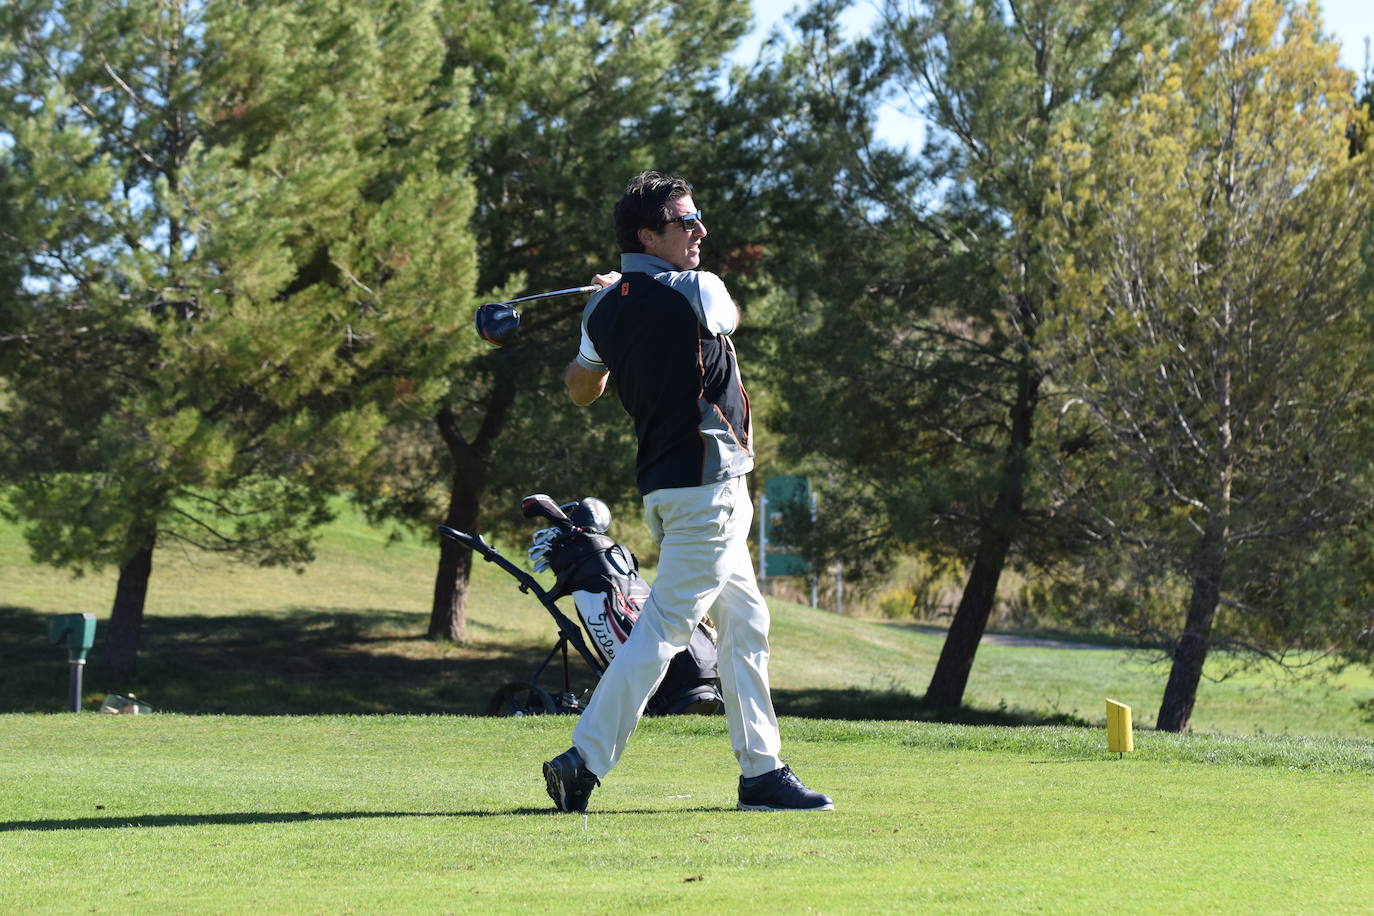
(675, 244)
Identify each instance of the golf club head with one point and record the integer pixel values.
(589, 514)
(497, 322)
(542, 506)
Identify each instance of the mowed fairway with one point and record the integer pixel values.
(341, 814)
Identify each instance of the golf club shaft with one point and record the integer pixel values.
(570, 291)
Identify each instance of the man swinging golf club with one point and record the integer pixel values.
(660, 329)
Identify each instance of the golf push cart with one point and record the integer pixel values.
(602, 579)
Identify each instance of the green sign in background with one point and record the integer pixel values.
(782, 491)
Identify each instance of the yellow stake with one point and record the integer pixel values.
(1120, 738)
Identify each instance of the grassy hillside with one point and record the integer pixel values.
(344, 636)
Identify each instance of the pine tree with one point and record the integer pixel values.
(915, 373)
(242, 241)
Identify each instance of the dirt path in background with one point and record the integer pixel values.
(1003, 639)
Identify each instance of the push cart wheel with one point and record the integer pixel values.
(521, 699)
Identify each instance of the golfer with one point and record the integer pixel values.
(661, 329)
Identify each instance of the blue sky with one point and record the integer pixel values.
(1349, 20)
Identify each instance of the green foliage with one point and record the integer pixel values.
(846, 415)
(1212, 333)
(898, 367)
(240, 233)
(235, 227)
(569, 99)
(910, 370)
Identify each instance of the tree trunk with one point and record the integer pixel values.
(125, 629)
(947, 684)
(1209, 562)
(448, 614)
(471, 461)
(1176, 709)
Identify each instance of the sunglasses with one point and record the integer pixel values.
(690, 221)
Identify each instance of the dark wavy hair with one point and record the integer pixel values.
(644, 205)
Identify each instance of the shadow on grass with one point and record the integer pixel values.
(859, 704)
(301, 662)
(320, 661)
(116, 822)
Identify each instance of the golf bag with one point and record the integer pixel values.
(602, 579)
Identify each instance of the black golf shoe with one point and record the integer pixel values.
(569, 781)
(780, 790)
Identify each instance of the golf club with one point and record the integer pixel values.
(497, 322)
(540, 505)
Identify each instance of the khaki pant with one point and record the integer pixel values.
(704, 567)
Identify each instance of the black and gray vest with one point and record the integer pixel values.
(664, 336)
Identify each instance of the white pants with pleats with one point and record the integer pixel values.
(704, 567)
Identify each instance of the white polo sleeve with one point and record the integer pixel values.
(587, 357)
(712, 303)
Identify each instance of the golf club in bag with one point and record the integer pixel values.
(602, 579)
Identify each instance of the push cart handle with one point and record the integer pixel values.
(492, 555)
(566, 628)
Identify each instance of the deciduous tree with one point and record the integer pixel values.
(1213, 327)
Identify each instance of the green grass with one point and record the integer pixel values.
(345, 637)
(338, 814)
(280, 812)
(1073, 682)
